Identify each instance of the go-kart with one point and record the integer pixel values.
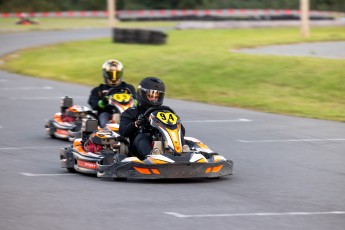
(67, 123)
(172, 160)
(173, 155)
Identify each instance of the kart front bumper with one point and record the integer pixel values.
(132, 170)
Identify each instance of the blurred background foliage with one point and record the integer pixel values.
(89, 5)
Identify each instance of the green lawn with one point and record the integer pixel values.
(198, 65)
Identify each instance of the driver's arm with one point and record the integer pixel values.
(127, 122)
(94, 98)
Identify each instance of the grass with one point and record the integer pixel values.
(198, 65)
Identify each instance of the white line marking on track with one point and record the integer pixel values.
(3, 80)
(291, 140)
(40, 147)
(52, 174)
(27, 88)
(215, 121)
(179, 215)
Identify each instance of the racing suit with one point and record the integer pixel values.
(100, 92)
(140, 138)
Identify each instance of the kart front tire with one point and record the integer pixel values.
(51, 128)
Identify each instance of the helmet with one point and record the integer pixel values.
(112, 72)
(151, 92)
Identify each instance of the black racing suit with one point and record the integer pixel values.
(99, 92)
(140, 140)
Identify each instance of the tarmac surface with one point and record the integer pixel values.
(332, 50)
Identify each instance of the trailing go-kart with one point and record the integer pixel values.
(67, 123)
(171, 159)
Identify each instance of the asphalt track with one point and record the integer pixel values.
(329, 50)
(289, 171)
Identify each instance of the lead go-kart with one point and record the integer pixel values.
(66, 124)
(171, 160)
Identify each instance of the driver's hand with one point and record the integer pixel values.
(141, 121)
(103, 102)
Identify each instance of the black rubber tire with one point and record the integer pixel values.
(71, 170)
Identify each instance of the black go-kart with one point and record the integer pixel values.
(173, 156)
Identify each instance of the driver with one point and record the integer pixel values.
(150, 93)
(98, 100)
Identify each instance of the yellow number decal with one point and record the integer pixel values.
(167, 118)
(122, 97)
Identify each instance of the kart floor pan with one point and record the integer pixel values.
(161, 171)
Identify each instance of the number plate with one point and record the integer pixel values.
(122, 97)
(167, 118)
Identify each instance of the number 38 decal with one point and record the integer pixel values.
(167, 117)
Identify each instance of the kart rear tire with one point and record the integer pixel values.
(71, 170)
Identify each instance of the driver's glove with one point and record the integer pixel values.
(103, 102)
(141, 121)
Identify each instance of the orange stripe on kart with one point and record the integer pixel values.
(86, 164)
(142, 170)
(62, 132)
(217, 168)
(155, 171)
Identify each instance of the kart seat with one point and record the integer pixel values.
(116, 118)
(158, 145)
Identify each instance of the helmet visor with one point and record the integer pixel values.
(114, 77)
(154, 96)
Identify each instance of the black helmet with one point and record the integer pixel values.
(151, 92)
(112, 72)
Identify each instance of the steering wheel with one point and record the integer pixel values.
(114, 91)
(156, 108)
